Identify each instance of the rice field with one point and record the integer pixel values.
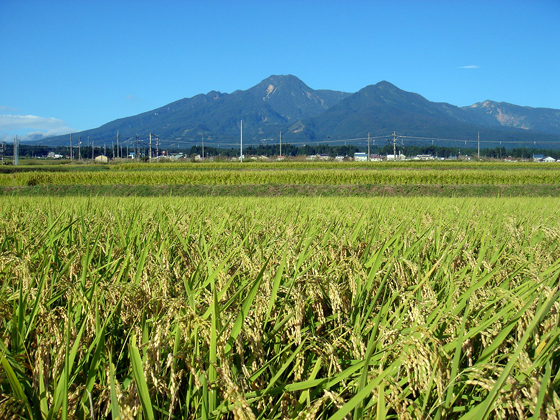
(279, 308)
(289, 173)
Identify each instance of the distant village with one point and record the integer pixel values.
(357, 157)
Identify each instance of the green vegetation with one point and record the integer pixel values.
(233, 303)
(272, 190)
(28, 152)
(279, 308)
(289, 173)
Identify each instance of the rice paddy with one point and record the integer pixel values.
(279, 307)
(288, 173)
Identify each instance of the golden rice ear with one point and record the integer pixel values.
(295, 307)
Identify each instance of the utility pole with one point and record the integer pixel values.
(395, 145)
(79, 149)
(104, 149)
(280, 143)
(150, 148)
(71, 154)
(118, 150)
(92, 149)
(157, 148)
(479, 146)
(202, 146)
(368, 150)
(2, 145)
(241, 150)
(16, 151)
(137, 155)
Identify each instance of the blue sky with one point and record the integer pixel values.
(75, 65)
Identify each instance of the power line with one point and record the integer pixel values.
(481, 141)
(220, 139)
(229, 141)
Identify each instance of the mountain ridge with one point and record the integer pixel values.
(284, 103)
(525, 117)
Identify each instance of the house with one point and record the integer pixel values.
(360, 157)
(318, 157)
(548, 159)
(424, 157)
(101, 159)
(398, 157)
(538, 158)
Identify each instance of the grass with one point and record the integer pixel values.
(266, 190)
(287, 307)
(301, 176)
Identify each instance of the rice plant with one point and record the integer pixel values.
(279, 308)
(255, 175)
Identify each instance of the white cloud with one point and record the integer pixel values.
(39, 127)
(5, 108)
(18, 122)
(468, 67)
(131, 98)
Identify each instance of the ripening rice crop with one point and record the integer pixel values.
(279, 308)
(340, 175)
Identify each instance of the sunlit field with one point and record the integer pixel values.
(288, 307)
(291, 173)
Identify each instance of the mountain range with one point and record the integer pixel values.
(286, 104)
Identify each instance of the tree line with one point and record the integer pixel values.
(290, 150)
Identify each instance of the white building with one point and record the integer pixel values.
(398, 157)
(360, 157)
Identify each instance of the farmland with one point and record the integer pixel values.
(280, 307)
(285, 178)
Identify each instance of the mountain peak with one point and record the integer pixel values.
(289, 94)
(281, 77)
(273, 82)
(385, 85)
